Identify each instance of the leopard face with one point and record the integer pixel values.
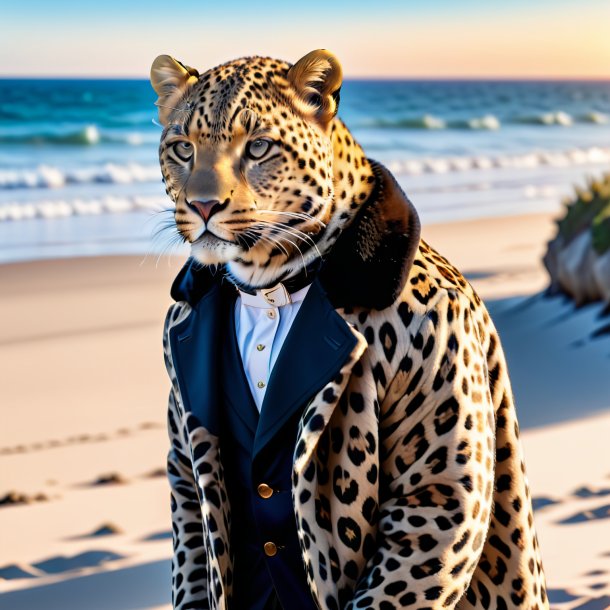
(261, 172)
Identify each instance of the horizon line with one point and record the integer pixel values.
(572, 78)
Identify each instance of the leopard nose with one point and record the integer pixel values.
(205, 209)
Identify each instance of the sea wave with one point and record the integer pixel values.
(598, 118)
(426, 121)
(429, 121)
(61, 208)
(90, 135)
(546, 118)
(49, 177)
(441, 165)
(46, 176)
(487, 121)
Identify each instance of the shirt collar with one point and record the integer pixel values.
(276, 296)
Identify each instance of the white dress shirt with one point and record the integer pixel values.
(261, 330)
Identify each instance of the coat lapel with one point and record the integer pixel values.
(195, 345)
(315, 349)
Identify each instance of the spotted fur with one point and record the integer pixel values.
(409, 485)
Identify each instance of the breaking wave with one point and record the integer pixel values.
(46, 176)
(49, 177)
(487, 121)
(440, 165)
(89, 135)
(61, 208)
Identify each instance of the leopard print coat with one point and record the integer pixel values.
(409, 487)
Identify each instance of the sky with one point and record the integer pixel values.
(373, 39)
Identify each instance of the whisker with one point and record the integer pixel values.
(253, 232)
(302, 215)
(274, 243)
(172, 245)
(290, 242)
(280, 226)
(173, 241)
(297, 233)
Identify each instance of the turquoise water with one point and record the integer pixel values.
(79, 171)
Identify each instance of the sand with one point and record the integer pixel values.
(83, 437)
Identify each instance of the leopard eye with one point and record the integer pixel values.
(258, 148)
(183, 150)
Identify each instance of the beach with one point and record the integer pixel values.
(87, 256)
(84, 439)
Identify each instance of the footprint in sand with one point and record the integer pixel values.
(16, 497)
(595, 573)
(158, 536)
(58, 564)
(145, 425)
(602, 512)
(560, 596)
(110, 478)
(105, 529)
(107, 478)
(88, 559)
(601, 603)
(157, 472)
(14, 571)
(587, 492)
(542, 502)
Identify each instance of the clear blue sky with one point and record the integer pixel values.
(394, 38)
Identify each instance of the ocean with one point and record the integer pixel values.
(79, 171)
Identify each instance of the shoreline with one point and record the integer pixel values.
(122, 218)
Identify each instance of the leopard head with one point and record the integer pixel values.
(262, 172)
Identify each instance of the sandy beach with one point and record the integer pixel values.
(85, 521)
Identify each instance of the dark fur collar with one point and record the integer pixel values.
(366, 267)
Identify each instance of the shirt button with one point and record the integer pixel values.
(264, 491)
(260, 347)
(270, 313)
(270, 549)
(260, 384)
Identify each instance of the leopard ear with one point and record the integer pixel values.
(317, 79)
(170, 79)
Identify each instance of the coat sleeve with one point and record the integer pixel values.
(189, 557)
(437, 452)
(188, 565)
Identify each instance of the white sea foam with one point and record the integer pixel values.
(63, 206)
(441, 165)
(45, 176)
(48, 177)
(88, 135)
(595, 117)
(489, 121)
(558, 117)
(551, 118)
(60, 208)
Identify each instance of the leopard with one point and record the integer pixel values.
(409, 483)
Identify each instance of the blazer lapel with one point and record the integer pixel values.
(316, 347)
(195, 345)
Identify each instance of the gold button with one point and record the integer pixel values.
(260, 347)
(264, 491)
(261, 384)
(271, 313)
(270, 549)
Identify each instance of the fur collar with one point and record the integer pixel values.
(367, 266)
